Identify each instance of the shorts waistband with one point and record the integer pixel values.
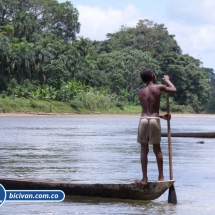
(150, 117)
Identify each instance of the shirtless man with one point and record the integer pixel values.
(149, 130)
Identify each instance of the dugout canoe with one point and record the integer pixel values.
(151, 191)
(191, 134)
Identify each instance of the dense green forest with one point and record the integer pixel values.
(41, 58)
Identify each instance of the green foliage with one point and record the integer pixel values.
(93, 100)
(76, 104)
(189, 78)
(211, 79)
(69, 90)
(56, 73)
(21, 60)
(93, 78)
(12, 87)
(123, 67)
(33, 16)
(45, 92)
(21, 91)
(16, 105)
(25, 24)
(7, 30)
(146, 36)
(63, 21)
(3, 83)
(174, 107)
(4, 54)
(41, 59)
(211, 106)
(37, 105)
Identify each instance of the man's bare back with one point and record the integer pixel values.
(149, 96)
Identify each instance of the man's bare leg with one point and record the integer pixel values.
(144, 162)
(159, 158)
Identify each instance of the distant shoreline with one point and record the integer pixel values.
(96, 115)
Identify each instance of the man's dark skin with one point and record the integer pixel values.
(149, 98)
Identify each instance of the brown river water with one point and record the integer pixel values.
(103, 149)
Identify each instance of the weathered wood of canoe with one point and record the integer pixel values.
(191, 134)
(151, 191)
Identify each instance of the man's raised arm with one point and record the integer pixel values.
(169, 88)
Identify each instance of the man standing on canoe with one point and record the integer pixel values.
(149, 130)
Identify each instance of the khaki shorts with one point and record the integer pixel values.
(149, 130)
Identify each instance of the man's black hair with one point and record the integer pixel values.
(146, 74)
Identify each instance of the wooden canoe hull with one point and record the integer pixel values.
(151, 191)
(191, 134)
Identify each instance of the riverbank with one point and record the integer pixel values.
(30, 107)
(39, 107)
(27, 107)
(97, 115)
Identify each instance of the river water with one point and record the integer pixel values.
(103, 149)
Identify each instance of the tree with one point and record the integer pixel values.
(146, 36)
(25, 25)
(65, 21)
(22, 60)
(7, 9)
(77, 57)
(83, 45)
(36, 16)
(44, 53)
(123, 67)
(4, 53)
(190, 79)
(7, 30)
(211, 81)
(56, 73)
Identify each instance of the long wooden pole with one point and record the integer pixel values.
(172, 198)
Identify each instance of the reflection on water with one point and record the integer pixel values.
(100, 149)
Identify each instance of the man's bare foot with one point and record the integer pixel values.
(143, 182)
(160, 178)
